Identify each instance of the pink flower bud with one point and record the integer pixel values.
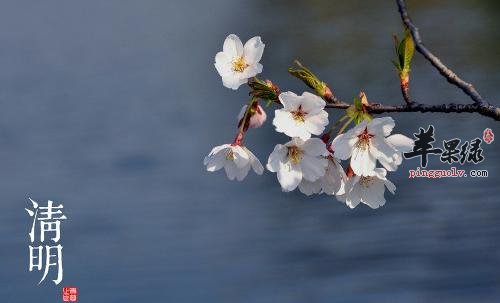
(257, 119)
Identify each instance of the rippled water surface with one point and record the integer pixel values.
(110, 106)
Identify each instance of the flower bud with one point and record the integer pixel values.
(257, 116)
(311, 80)
(265, 90)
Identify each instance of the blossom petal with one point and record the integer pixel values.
(215, 160)
(290, 101)
(257, 166)
(353, 191)
(289, 176)
(315, 124)
(214, 151)
(315, 147)
(241, 157)
(312, 104)
(373, 195)
(278, 155)
(254, 162)
(390, 165)
(284, 123)
(379, 173)
(362, 162)
(233, 46)
(382, 148)
(384, 152)
(390, 186)
(296, 141)
(343, 145)
(401, 143)
(341, 197)
(241, 173)
(233, 81)
(251, 71)
(253, 50)
(358, 129)
(258, 118)
(313, 168)
(381, 126)
(222, 64)
(231, 170)
(308, 188)
(334, 180)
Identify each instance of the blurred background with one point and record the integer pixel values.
(110, 106)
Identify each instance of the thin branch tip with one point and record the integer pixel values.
(446, 72)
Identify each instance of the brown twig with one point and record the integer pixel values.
(435, 61)
(375, 108)
(405, 91)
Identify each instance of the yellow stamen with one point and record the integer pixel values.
(364, 140)
(299, 115)
(366, 181)
(230, 155)
(294, 154)
(239, 64)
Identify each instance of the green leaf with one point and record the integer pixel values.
(358, 104)
(396, 43)
(358, 119)
(367, 116)
(401, 52)
(396, 64)
(408, 50)
(358, 112)
(404, 51)
(351, 112)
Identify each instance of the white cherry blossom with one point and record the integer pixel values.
(298, 160)
(332, 183)
(368, 190)
(237, 62)
(257, 119)
(368, 142)
(236, 160)
(401, 144)
(300, 116)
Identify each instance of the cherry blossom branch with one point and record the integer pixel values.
(479, 106)
(376, 108)
(303, 116)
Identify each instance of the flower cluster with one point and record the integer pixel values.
(311, 164)
(364, 145)
(236, 64)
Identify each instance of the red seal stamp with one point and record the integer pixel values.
(488, 136)
(70, 294)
